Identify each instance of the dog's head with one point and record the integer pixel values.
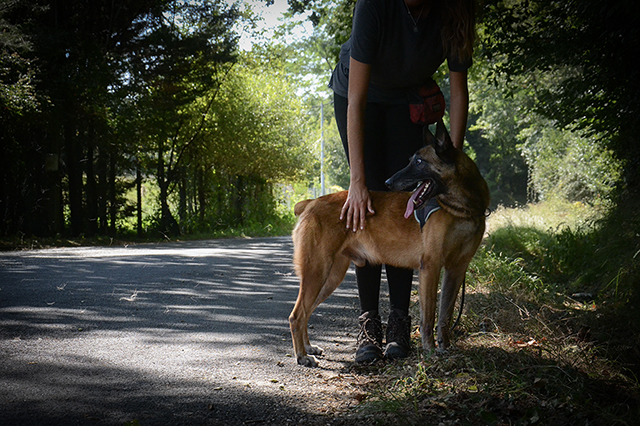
(439, 169)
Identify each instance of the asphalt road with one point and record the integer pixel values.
(166, 334)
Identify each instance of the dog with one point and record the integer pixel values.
(324, 247)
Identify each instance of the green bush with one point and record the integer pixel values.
(570, 165)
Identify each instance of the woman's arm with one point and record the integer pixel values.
(458, 107)
(358, 202)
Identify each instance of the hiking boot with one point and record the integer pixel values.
(370, 338)
(398, 336)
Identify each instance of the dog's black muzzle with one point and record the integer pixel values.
(406, 179)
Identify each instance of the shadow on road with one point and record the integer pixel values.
(175, 333)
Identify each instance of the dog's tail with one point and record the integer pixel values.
(300, 206)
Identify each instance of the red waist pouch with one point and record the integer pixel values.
(431, 109)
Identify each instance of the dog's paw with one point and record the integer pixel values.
(308, 361)
(314, 350)
(428, 344)
(429, 353)
(442, 351)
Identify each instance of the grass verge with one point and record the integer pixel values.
(550, 334)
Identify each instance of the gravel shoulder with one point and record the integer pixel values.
(169, 334)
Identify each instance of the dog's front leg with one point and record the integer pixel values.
(451, 283)
(429, 276)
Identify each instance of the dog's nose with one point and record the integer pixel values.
(389, 182)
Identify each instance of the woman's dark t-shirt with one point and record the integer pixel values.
(402, 59)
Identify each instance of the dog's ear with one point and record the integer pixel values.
(443, 140)
(428, 137)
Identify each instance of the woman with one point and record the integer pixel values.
(394, 49)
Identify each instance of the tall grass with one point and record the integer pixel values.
(575, 249)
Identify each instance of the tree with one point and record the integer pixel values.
(76, 46)
(585, 52)
(494, 127)
(17, 92)
(186, 53)
(254, 136)
(114, 81)
(18, 99)
(312, 60)
(567, 164)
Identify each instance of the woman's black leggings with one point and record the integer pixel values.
(390, 139)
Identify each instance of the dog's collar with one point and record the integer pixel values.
(424, 213)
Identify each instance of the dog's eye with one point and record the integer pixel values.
(418, 160)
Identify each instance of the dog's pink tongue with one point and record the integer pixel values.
(410, 204)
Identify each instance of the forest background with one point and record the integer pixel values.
(147, 118)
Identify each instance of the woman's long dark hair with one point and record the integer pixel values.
(459, 27)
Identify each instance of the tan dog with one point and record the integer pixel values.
(324, 248)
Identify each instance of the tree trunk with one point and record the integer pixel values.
(74, 170)
(113, 204)
(167, 222)
(182, 208)
(92, 190)
(139, 198)
(54, 192)
(103, 190)
(240, 200)
(202, 199)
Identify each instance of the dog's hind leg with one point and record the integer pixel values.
(451, 283)
(316, 284)
(307, 294)
(336, 276)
